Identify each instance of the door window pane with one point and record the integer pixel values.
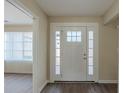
(78, 39)
(73, 39)
(57, 70)
(57, 43)
(69, 39)
(90, 43)
(57, 37)
(57, 33)
(57, 52)
(58, 61)
(90, 34)
(90, 61)
(90, 72)
(74, 36)
(90, 52)
(79, 34)
(69, 34)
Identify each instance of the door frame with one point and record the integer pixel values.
(35, 47)
(52, 47)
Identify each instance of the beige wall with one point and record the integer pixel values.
(18, 28)
(15, 66)
(108, 53)
(18, 67)
(108, 41)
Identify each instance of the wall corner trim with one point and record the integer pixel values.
(43, 85)
(108, 81)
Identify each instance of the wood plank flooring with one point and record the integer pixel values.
(21, 83)
(80, 88)
(17, 83)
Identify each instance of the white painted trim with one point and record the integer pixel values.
(35, 54)
(97, 53)
(24, 8)
(73, 24)
(13, 3)
(108, 81)
(43, 85)
(112, 13)
(52, 60)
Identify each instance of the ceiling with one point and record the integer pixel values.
(13, 15)
(75, 7)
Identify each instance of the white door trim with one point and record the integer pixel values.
(52, 47)
(36, 56)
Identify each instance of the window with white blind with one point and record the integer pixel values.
(18, 46)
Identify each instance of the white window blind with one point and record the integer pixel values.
(18, 46)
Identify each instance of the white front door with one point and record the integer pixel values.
(73, 49)
(75, 58)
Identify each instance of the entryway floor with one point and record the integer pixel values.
(80, 88)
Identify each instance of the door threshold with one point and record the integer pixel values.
(74, 82)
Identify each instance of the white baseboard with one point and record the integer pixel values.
(42, 87)
(108, 81)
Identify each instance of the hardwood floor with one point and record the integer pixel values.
(80, 88)
(17, 83)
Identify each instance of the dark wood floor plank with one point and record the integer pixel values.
(80, 88)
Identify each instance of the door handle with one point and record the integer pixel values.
(85, 56)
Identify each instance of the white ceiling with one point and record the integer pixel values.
(75, 7)
(13, 15)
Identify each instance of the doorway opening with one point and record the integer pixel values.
(21, 28)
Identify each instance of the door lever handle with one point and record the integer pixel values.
(85, 54)
(85, 58)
